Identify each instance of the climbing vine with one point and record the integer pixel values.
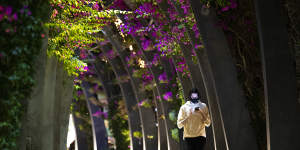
(22, 35)
(72, 30)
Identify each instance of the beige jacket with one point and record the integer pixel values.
(193, 122)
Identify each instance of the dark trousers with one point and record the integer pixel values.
(195, 143)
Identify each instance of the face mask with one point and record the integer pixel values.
(194, 98)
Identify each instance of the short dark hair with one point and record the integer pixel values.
(193, 90)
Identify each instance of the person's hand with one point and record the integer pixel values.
(198, 110)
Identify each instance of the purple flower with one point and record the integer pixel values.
(98, 113)
(233, 5)
(167, 96)
(96, 6)
(105, 115)
(1, 16)
(226, 8)
(83, 54)
(15, 16)
(111, 54)
(8, 10)
(140, 103)
(29, 13)
(85, 68)
(79, 93)
(185, 9)
(95, 87)
(163, 77)
(196, 47)
(145, 44)
(158, 97)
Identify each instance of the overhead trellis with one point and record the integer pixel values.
(155, 36)
(146, 55)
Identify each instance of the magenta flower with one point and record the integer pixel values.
(158, 97)
(79, 93)
(111, 54)
(96, 6)
(226, 8)
(163, 77)
(140, 103)
(96, 87)
(167, 96)
(1, 16)
(85, 68)
(29, 13)
(233, 5)
(145, 44)
(15, 16)
(55, 12)
(83, 54)
(98, 113)
(105, 115)
(8, 10)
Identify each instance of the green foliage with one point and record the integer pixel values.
(118, 123)
(172, 116)
(216, 3)
(73, 26)
(146, 104)
(21, 40)
(137, 134)
(175, 134)
(81, 112)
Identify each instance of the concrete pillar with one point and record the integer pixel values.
(39, 118)
(166, 107)
(63, 99)
(161, 127)
(111, 89)
(282, 107)
(147, 115)
(217, 63)
(45, 124)
(98, 127)
(131, 102)
(81, 138)
(164, 139)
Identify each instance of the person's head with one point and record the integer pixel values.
(194, 94)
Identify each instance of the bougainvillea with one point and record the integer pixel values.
(73, 26)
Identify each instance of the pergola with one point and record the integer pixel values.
(214, 74)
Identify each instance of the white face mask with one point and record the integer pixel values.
(194, 96)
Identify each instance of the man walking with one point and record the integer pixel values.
(193, 117)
